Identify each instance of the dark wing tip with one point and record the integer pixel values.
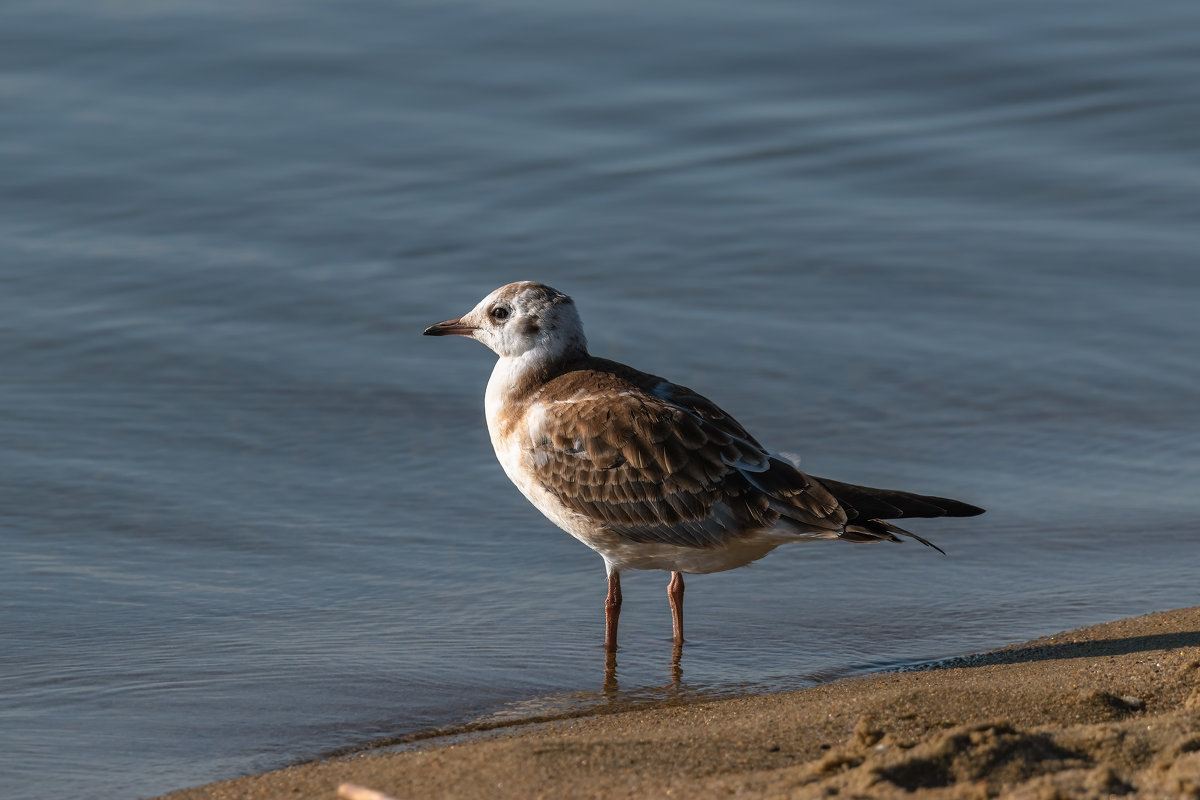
(957, 508)
(869, 503)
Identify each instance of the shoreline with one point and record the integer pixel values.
(1112, 709)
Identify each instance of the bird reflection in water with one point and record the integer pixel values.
(612, 688)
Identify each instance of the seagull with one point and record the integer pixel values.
(650, 474)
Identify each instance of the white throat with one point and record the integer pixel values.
(509, 373)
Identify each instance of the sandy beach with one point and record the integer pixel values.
(1110, 710)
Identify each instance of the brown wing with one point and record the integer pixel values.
(658, 463)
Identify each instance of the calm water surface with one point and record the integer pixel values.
(250, 515)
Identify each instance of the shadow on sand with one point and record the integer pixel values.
(1055, 651)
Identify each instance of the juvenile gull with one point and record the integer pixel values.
(649, 474)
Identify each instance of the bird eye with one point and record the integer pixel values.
(499, 312)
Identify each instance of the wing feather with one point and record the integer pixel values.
(666, 465)
(863, 502)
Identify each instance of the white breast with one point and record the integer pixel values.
(513, 439)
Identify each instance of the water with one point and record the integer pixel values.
(251, 516)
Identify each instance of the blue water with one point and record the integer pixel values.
(248, 515)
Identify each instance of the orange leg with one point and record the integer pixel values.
(612, 611)
(675, 595)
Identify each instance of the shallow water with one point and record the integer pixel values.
(251, 516)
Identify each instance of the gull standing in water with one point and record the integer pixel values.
(649, 474)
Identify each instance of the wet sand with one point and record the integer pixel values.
(1108, 710)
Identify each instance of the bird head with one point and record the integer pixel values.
(519, 320)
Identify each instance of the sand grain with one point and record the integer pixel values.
(1112, 710)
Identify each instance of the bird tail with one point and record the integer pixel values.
(881, 504)
(877, 530)
(868, 509)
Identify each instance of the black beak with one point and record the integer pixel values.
(450, 326)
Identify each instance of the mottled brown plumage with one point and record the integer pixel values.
(672, 468)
